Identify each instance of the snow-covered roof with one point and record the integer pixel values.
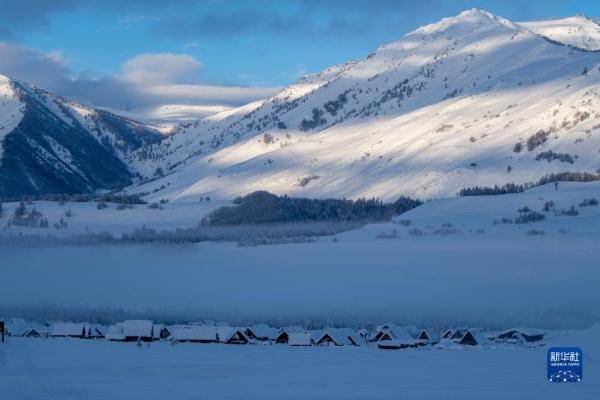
(137, 328)
(530, 331)
(226, 333)
(203, 333)
(68, 329)
(514, 332)
(394, 331)
(115, 332)
(299, 339)
(340, 336)
(96, 330)
(157, 330)
(429, 333)
(403, 336)
(264, 331)
(476, 334)
(17, 326)
(292, 328)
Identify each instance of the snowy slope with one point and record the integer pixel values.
(10, 109)
(54, 145)
(579, 31)
(440, 109)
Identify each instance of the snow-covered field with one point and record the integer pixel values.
(78, 369)
(470, 272)
(85, 217)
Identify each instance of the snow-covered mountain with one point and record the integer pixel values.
(579, 31)
(473, 99)
(451, 104)
(49, 144)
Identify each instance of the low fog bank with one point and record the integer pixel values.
(547, 283)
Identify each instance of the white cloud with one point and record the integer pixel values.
(162, 68)
(44, 69)
(147, 81)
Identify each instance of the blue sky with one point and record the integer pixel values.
(235, 44)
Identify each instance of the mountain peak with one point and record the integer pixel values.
(467, 20)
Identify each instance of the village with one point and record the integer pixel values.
(386, 336)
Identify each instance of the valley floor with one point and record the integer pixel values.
(77, 369)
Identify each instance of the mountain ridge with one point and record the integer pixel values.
(59, 146)
(432, 69)
(445, 107)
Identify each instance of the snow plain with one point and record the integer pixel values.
(472, 273)
(78, 369)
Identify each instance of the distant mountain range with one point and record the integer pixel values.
(473, 99)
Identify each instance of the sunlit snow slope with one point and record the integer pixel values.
(442, 108)
(579, 31)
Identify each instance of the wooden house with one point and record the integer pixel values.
(521, 334)
(231, 335)
(403, 339)
(194, 333)
(336, 337)
(472, 337)
(261, 333)
(299, 339)
(428, 336)
(69, 329)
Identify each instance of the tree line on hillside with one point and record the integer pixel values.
(262, 207)
(518, 188)
(121, 198)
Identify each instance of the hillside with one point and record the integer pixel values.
(473, 99)
(579, 31)
(450, 105)
(52, 145)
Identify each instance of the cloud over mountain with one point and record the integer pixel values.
(146, 80)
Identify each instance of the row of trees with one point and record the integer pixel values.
(517, 188)
(80, 198)
(262, 207)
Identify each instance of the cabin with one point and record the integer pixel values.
(471, 338)
(383, 332)
(34, 333)
(69, 329)
(283, 336)
(521, 334)
(96, 331)
(403, 339)
(16, 327)
(390, 332)
(160, 332)
(230, 335)
(131, 330)
(193, 333)
(261, 333)
(455, 334)
(428, 336)
(137, 329)
(115, 333)
(297, 339)
(336, 337)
